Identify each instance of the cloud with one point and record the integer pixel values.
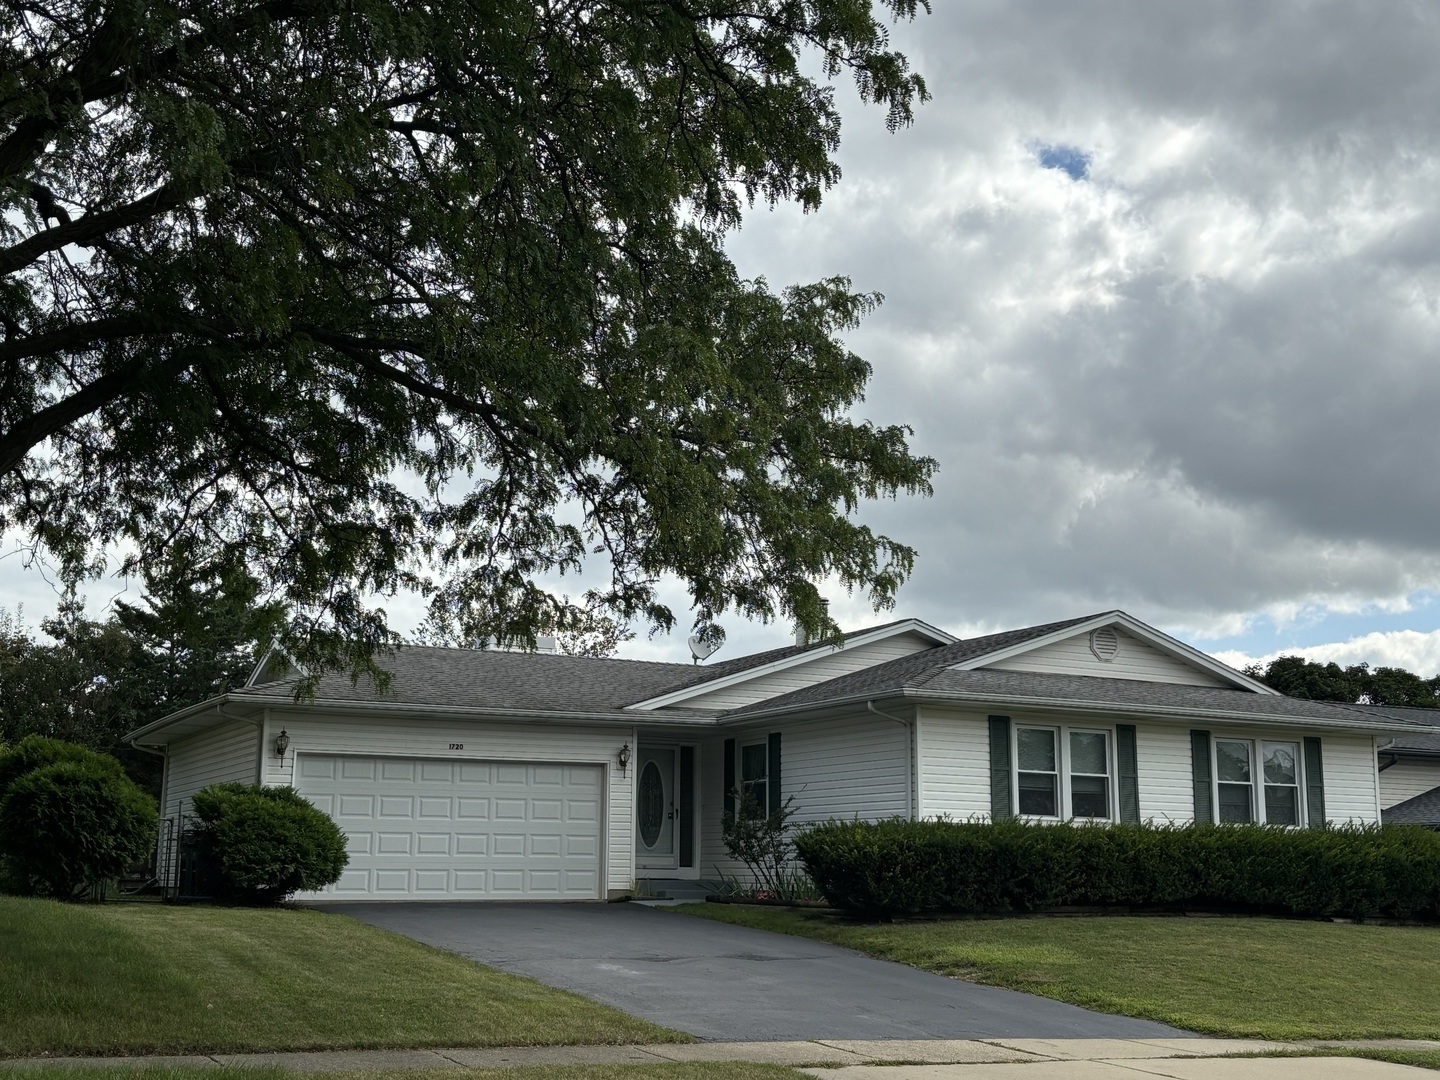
(1200, 385)
(1412, 650)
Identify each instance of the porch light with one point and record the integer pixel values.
(623, 757)
(282, 743)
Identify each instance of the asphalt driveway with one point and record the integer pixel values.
(734, 983)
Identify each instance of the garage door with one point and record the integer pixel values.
(473, 830)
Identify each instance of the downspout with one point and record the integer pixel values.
(909, 756)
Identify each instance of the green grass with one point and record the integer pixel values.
(661, 1071)
(147, 978)
(1246, 978)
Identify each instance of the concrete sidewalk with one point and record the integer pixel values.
(842, 1059)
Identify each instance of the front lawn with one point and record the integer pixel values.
(152, 978)
(1240, 977)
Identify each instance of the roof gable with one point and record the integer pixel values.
(1114, 645)
(783, 670)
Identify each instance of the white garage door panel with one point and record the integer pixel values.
(463, 830)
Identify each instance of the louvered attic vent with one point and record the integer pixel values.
(1104, 643)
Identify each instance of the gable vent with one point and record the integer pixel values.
(1104, 643)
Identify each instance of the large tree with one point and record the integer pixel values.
(196, 632)
(382, 294)
(1356, 684)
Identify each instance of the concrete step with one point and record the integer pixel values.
(673, 889)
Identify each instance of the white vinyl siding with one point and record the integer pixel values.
(384, 736)
(1408, 778)
(842, 768)
(954, 770)
(227, 753)
(827, 664)
(954, 765)
(1135, 659)
(1351, 788)
(1162, 754)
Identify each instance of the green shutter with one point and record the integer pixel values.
(772, 771)
(1000, 768)
(730, 778)
(686, 814)
(1128, 767)
(1200, 773)
(1314, 783)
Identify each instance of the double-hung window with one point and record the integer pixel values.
(1038, 782)
(1269, 794)
(755, 779)
(1089, 774)
(1062, 772)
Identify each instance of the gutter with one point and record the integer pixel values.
(391, 708)
(1162, 712)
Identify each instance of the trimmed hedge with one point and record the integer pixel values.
(903, 867)
(258, 845)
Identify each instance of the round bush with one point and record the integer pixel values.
(73, 825)
(36, 751)
(259, 845)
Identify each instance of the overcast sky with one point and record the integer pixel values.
(1162, 287)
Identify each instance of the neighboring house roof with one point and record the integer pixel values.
(1421, 746)
(1423, 809)
(1425, 746)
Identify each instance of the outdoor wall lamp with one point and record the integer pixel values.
(282, 743)
(623, 758)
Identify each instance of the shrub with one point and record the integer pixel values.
(259, 845)
(894, 867)
(73, 825)
(36, 751)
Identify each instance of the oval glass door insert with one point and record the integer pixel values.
(651, 796)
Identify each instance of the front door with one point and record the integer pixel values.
(655, 821)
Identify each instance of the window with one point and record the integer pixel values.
(1039, 779)
(1236, 796)
(1065, 768)
(1234, 777)
(1089, 774)
(755, 779)
(1281, 766)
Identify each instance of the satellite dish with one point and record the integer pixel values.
(702, 648)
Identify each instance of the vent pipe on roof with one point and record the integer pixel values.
(801, 637)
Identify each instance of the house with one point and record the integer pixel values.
(508, 775)
(1410, 773)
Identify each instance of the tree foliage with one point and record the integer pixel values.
(194, 634)
(1356, 684)
(376, 296)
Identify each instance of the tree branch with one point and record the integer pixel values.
(24, 436)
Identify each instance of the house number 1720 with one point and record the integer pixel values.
(457, 746)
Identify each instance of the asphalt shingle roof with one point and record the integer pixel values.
(548, 683)
(914, 671)
(1423, 809)
(538, 682)
(496, 679)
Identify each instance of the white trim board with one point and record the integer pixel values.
(1148, 634)
(908, 626)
